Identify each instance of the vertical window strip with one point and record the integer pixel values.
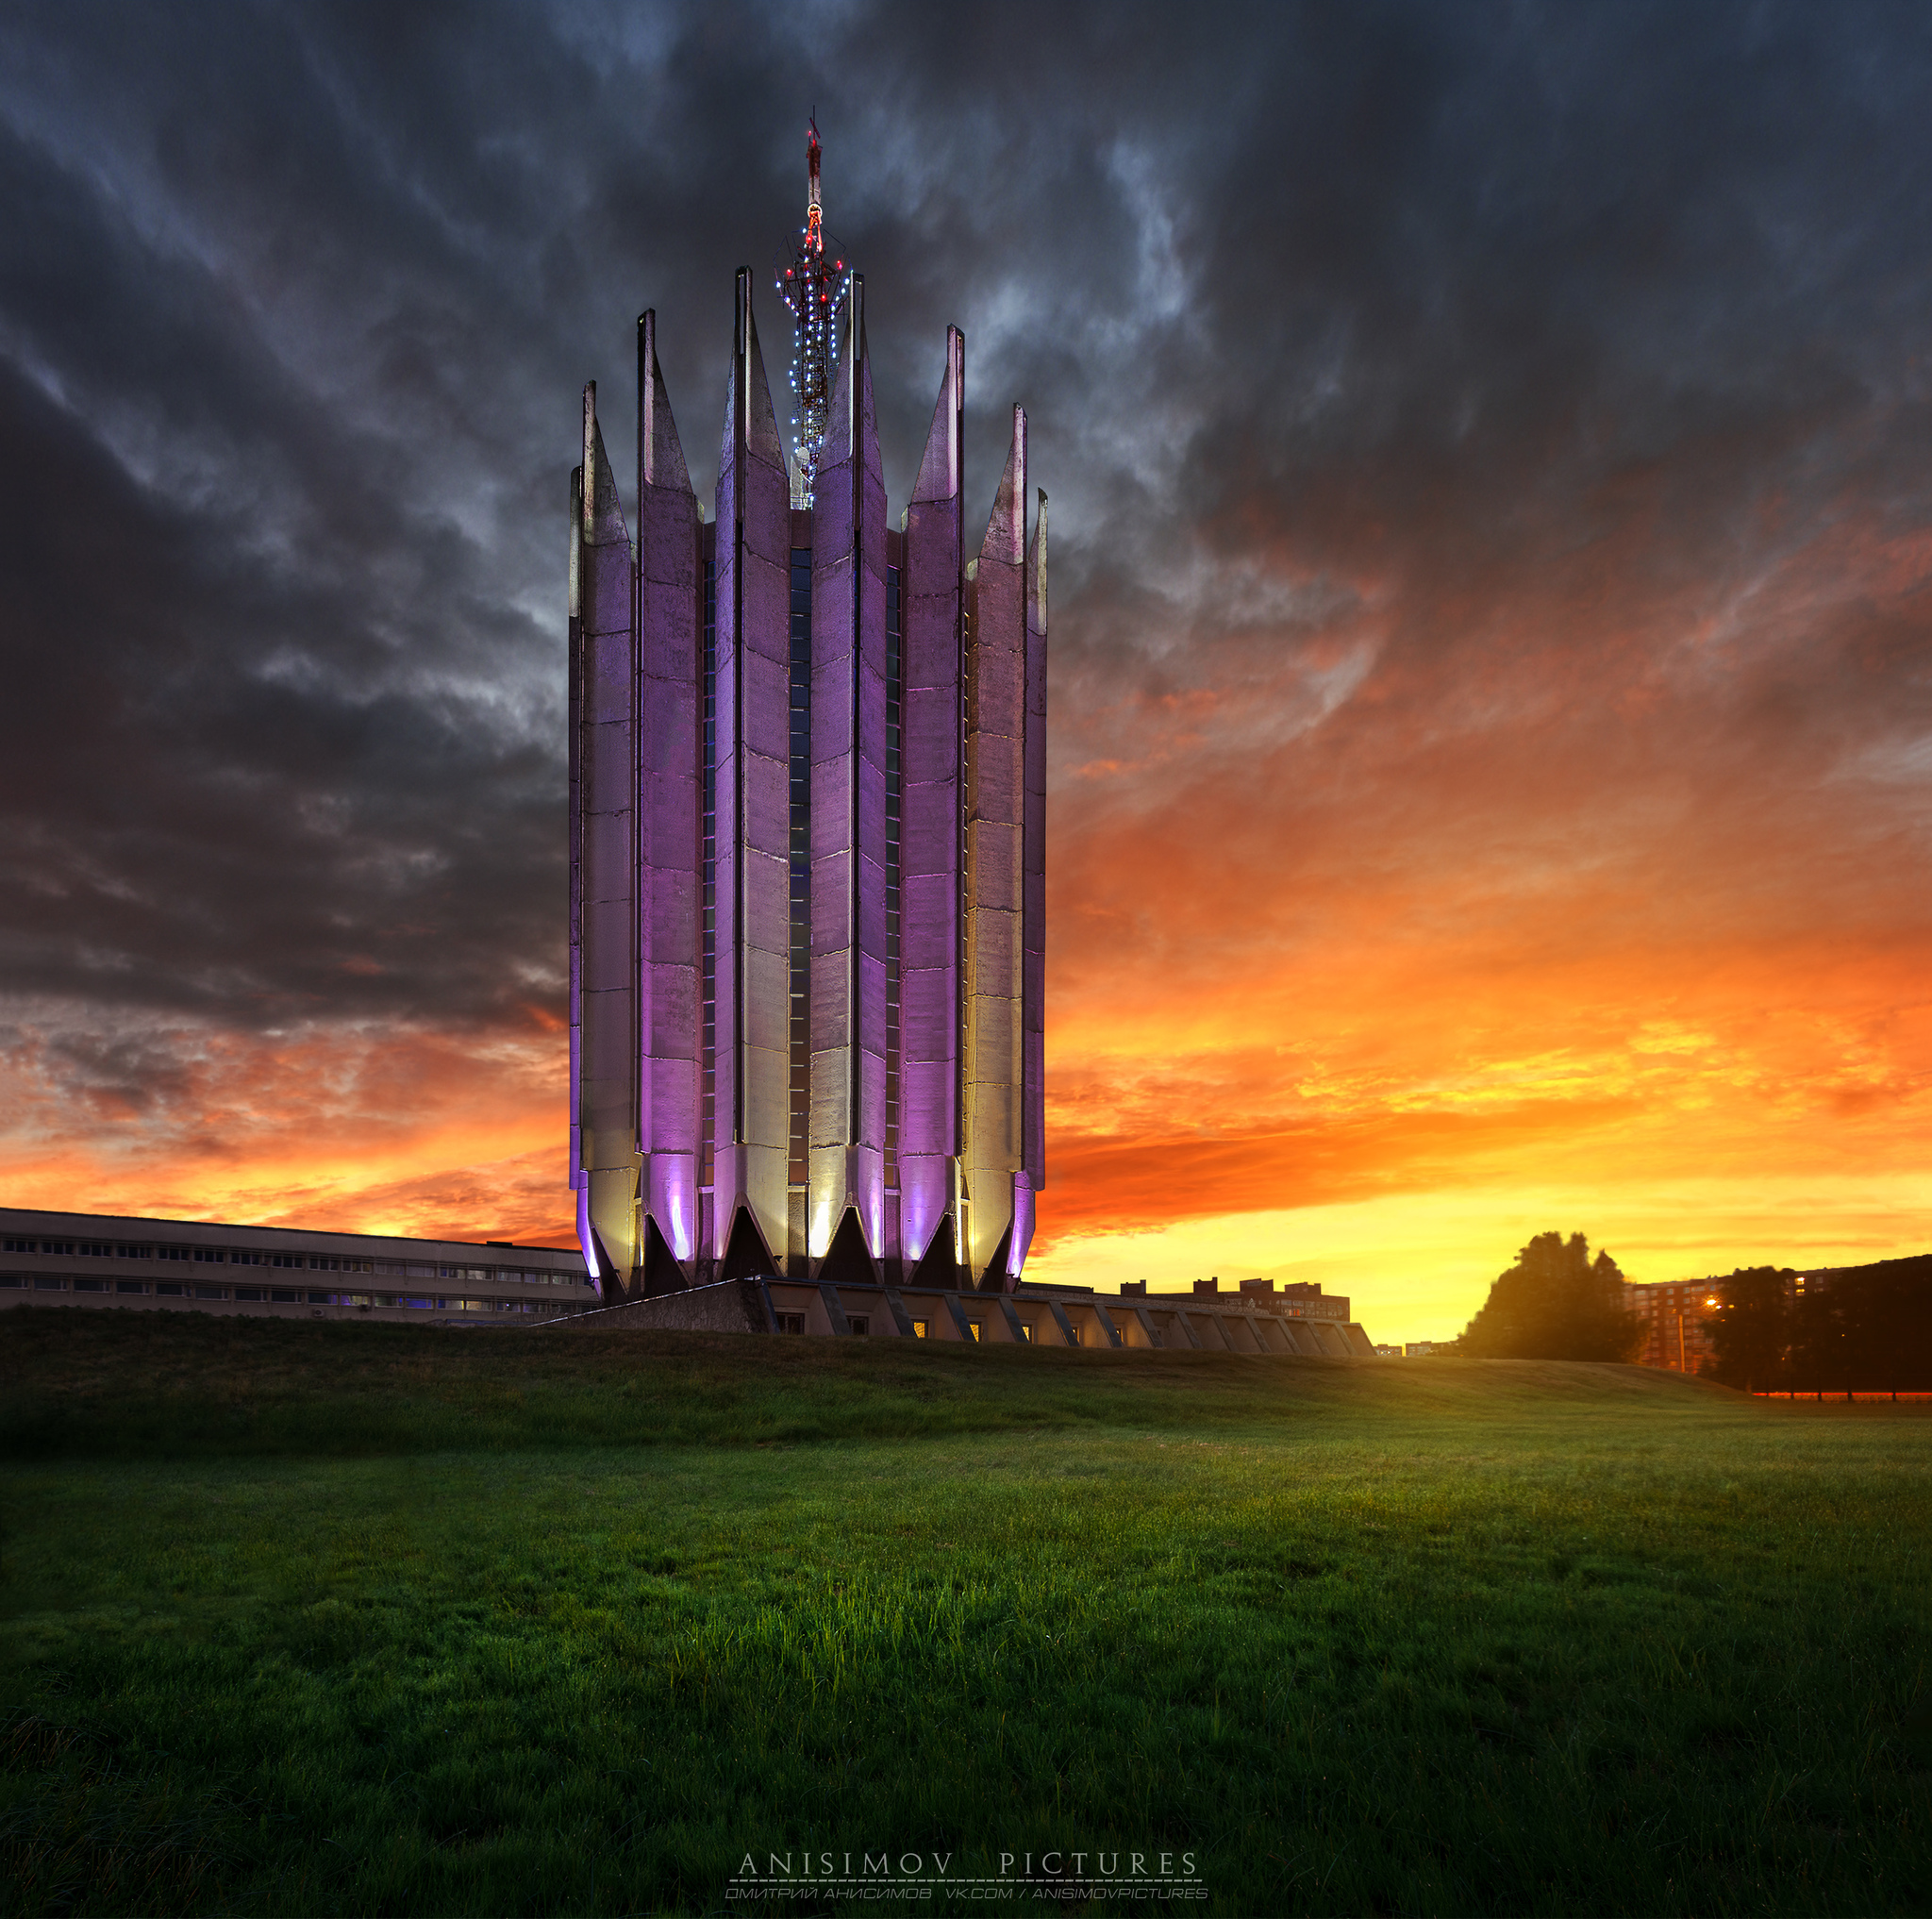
(710, 1085)
(799, 1131)
(895, 694)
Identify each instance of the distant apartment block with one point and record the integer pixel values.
(1677, 1333)
(1302, 1300)
(1676, 1315)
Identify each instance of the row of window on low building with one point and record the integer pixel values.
(309, 1262)
(261, 1296)
(1300, 1299)
(861, 1324)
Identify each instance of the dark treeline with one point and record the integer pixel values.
(1866, 1329)
(1862, 1329)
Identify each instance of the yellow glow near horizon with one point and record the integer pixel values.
(1417, 1266)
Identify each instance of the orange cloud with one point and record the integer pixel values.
(405, 1132)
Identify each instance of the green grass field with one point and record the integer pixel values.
(339, 1618)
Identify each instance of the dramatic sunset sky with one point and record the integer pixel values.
(1490, 456)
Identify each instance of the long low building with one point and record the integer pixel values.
(103, 1260)
(1032, 1314)
(80, 1259)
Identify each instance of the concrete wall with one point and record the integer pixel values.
(1025, 1317)
(724, 1306)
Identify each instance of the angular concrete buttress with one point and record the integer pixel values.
(670, 800)
(754, 564)
(573, 675)
(846, 1163)
(931, 581)
(996, 818)
(1033, 1038)
(603, 871)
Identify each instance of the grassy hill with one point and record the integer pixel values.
(324, 1617)
(77, 1384)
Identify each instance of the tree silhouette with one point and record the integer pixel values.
(1821, 1341)
(1555, 1303)
(1868, 1329)
(1750, 1328)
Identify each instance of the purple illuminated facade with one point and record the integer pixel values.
(808, 849)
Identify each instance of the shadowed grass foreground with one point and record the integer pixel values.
(324, 1618)
(130, 1384)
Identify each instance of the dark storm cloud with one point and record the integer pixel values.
(295, 302)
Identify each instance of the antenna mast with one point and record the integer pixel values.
(813, 281)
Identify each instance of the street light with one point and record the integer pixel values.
(1711, 1299)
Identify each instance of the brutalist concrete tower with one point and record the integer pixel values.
(807, 835)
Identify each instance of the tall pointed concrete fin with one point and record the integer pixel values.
(992, 951)
(1033, 1012)
(727, 437)
(1006, 531)
(761, 423)
(868, 417)
(573, 682)
(603, 523)
(1036, 572)
(585, 491)
(848, 1259)
(659, 452)
(668, 599)
(746, 1256)
(836, 448)
(855, 415)
(939, 466)
(605, 511)
(576, 542)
